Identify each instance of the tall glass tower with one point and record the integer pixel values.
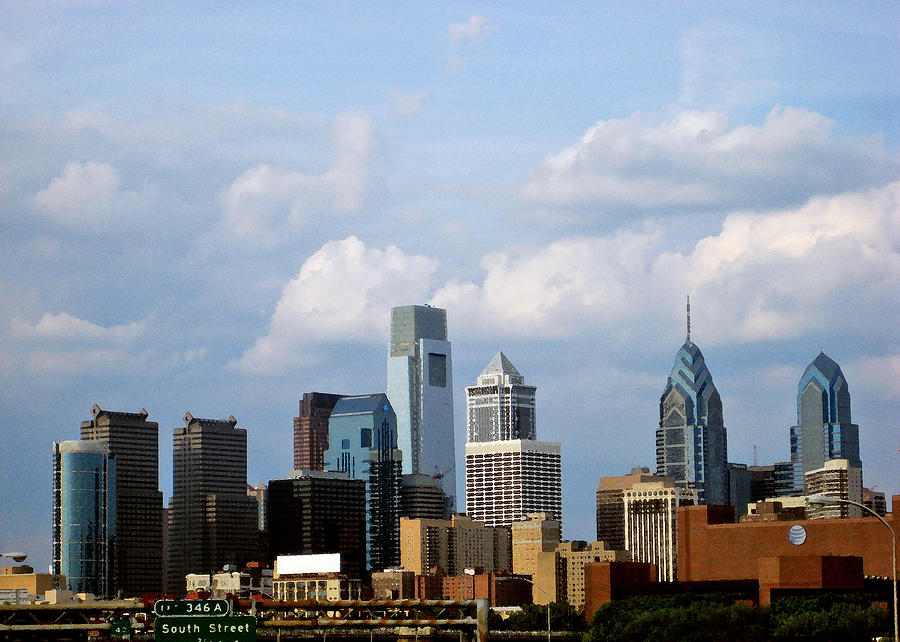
(824, 430)
(691, 443)
(420, 387)
(362, 442)
(84, 516)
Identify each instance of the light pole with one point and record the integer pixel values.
(541, 589)
(821, 500)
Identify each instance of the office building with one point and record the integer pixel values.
(500, 406)
(421, 497)
(739, 481)
(611, 505)
(260, 494)
(134, 442)
(537, 533)
(84, 516)
(837, 478)
(560, 572)
(420, 387)
(824, 428)
(772, 480)
(212, 521)
(449, 547)
(362, 442)
(875, 500)
(651, 525)
(315, 512)
(311, 430)
(507, 480)
(691, 443)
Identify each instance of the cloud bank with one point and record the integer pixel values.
(699, 160)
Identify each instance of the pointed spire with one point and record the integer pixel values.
(688, 318)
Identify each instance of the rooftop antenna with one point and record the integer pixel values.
(755, 456)
(688, 318)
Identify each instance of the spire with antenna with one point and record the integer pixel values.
(688, 318)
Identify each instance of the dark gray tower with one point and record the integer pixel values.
(212, 521)
(691, 442)
(824, 430)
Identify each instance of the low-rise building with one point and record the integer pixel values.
(537, 533)
(394, 584)
(559, 574)
(450, 546)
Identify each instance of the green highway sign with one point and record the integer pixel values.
(120, 628)
(192, 607)
(241, 628)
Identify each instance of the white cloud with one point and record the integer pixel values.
(65, 327)
(343, 292)
(763, 277)
(87, 194)
(462, 36)
(266, 203)
(698, 159)
(407, 104)
(879, 376)
(78, 361)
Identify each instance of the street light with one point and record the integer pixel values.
(15, 556)
(820, 500)
(541, 589)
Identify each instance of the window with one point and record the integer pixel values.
(365, 437)
(345, 444)
(437, 370)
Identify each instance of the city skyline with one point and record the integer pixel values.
(215, 211)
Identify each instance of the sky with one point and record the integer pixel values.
(212, 207)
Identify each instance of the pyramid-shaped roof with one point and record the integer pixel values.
(500, 365)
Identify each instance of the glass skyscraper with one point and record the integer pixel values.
(362, 442)
(824, 430)
(84, 516)
(691, 442)
(420, 387)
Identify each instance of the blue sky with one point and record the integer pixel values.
(212, 208)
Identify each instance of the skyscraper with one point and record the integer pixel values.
(84, 516)
(691, 442)
(824, 430)
(134, 442)
(611, 505)
(311, 430)
(651, 523)
(420, 387)
(362, 442)
(500, 405)
(508, 473)
(508, 479)
(319, 512)
(212, 521)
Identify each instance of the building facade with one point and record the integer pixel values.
(362, 442)
(507, 480)
(449, 547)
(611, 505)
(134, 442)
(691, 443)
(421, 497)
(560, 572)
(537, 533)
(314, 512)
(420, 387)
(212, 521)
(311, 430)
(651, 523)
(84, 516)
(837, 478)
(500, 406)
(824, 428)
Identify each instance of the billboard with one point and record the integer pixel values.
(300, 564)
